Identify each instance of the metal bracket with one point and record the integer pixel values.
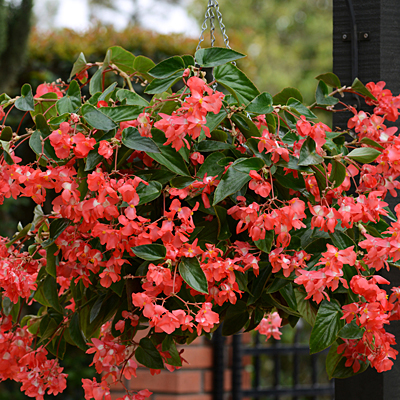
(361, 36)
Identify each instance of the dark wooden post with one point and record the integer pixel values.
(378, 52)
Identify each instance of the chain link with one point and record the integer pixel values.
(212, 10)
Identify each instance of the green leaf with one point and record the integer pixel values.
(132, 98)
(6, 134)
(265, 244)
(236, 82)
(232, 181)
(75, 332)
(123, 59)
(6, 305)
(162, 85)
(262, 104)
(277, 284)
(57, 227)
(51, 260)
(330, 79)
(71, 102)
(147, 354)
(288, 294)
(167, 67)
(192, 274)
(95, 310)
(322, 95)
(142, 65)
(215, 56)
(351, 331)
(97, 119)
(304, 307)
(122, 113)
(223, 229)
(371, 143)
(283, 96)
(168, 156)
(364, 155)
(93, 158)
(341, 240)
(105, 96)
(332, 360)
(359, 87)
(132, 139)
(338, 173)
(79, 65)
(236, 318)
(150, 192)
(211, 166)
(50, 292)
(246, 126)
(25, 102)
(259, 283)
(43, 107)
(327, 326)
(308, 154)
(342, 372)
(248, 164)
(213, 120)
(95, 84)
(207, 146)
(297, 107)
(150, 252)
(35, 143)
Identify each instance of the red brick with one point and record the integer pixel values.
(183, 397)
(208, 380)
(115, 386)
(167, 382)
(197, 356)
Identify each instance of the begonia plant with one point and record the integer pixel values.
(160, 217)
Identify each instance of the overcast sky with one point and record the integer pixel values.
(154, 15)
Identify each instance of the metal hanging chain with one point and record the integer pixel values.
(212, 10)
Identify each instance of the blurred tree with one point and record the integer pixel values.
(15, 24)
(288, 42)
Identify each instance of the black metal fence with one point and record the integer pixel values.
(278, 370)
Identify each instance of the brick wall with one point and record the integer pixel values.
(194, 381)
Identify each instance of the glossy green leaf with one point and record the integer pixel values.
(236, 82)
(132, 139)
(215, 56)
(147, 354)
(46, 107)
(364, 155)
(162, 85)
(167, 67)
(359, 87)
(265, 244)
(123, 59)
(260, 283)
(79, 65)
(308, 154)
(332, 360)
(93, 158)
(57, 227)
(106, 95)
(150, 192)
(192, 274)
(132, 98)
(122, 113)
(211, 166)
(150, 252)
(341, 240)
(25, 101)
(322, 95)
(338, 173)
(299, 108)
(207, 146)
(95, 310)
(213, 120)
(288, 294)
(351, 331)
(51, 258)
(343, 372)
(304, 307)
(75, 332)
(262, 104)
(97, 119)
(168, 156)
(50, 292)
(246, 126)
(223, 229)
(371, 142)
(143, 64)
(44, 149)
(71, 102)
(330, 79)
(284, 95)
(236, 318)
(277, 284)
(6, 134)
(95, 84)
(248, 164)
(232, 181)
(327, 326)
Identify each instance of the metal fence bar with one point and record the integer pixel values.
(237, 367)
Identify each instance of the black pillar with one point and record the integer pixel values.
(378, 53)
